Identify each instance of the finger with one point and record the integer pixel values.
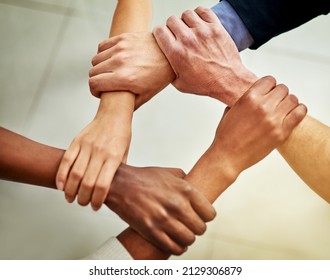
(108, 43)
(294, 118)
(89, 180)
(106, 66)
(106, 82)
(179, 233)
(67, 161)
(192, 220)
(103, 183)
(225, 112)
(161, 240)
(191, 19)
(287, 105)
(163, 36)
(275, 96)
(206, 15)
(263, 86)
(177, 172)
(177, 27)
(102, 56)
(76, 174)
(165, 40)
(202, 206)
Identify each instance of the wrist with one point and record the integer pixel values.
(229, 90)
(213, 174)
(222, 165)
(119, 104)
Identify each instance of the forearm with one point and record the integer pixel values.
(130, 16)
(307, 151)
(26, 161)
(210, 175)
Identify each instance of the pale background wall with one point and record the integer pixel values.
(45, 52)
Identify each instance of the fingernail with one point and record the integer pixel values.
(60, 186)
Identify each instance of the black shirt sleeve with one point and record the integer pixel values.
(266, 19)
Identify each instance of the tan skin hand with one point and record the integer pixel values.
(125, 62)
(260, 121)
(89, 164)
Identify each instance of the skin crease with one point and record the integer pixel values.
(199, 44)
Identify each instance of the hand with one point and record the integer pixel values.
(131, 62)
(160, 206)
(203, 56)
(261, 120)
(88, 166)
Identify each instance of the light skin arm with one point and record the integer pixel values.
(89, 164)
(156, 202)
(202, 43)
(307, 150)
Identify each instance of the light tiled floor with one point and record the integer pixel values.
(45, 52)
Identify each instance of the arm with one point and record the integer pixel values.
(302, 151)
(219, 167)
(268, 18)
(263, 128)
(156, 202)
(307, 151)
(88, 166)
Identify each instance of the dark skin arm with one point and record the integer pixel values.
(155, 201)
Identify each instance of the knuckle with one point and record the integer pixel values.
(270, 79)
(202, 229)
(100, 46)
(171, 19)
(186, 39)
(121, 45)
(190, 239)
(67, 158)
(251, 98)
(212, 215)
(293, 99)
(263, 111)
(87, 185)
(187, 189)
(96, 205)
(82, 202)
(91, 72)
(180, 173)
(163, 216)
(92, 83)
(87, 141)
(186, 13)
(271, 122)
(101, 187)
(150, 228)
(283, 88)
(277, 134)
(76, 174)
(94, 60)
